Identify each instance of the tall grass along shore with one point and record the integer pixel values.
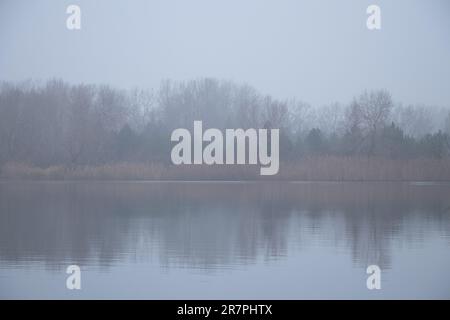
(330, 168)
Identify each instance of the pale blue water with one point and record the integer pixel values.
(224, 240)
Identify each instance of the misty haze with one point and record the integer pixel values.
(103, 164)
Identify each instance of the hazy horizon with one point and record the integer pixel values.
(317, 51)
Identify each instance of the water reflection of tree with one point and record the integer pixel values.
(212, 225)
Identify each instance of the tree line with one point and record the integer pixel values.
(57, 123)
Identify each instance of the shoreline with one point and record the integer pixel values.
(319, 169)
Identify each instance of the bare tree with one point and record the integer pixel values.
(142, 105)
(367, 114)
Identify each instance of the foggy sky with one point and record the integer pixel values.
(317, 51)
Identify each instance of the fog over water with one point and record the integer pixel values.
(224, 240)
(87, 177)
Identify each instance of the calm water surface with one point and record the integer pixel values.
(230, 240)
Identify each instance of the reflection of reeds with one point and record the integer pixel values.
(307, 169)
(213, 224)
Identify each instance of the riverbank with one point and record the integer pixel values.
(306, 169)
